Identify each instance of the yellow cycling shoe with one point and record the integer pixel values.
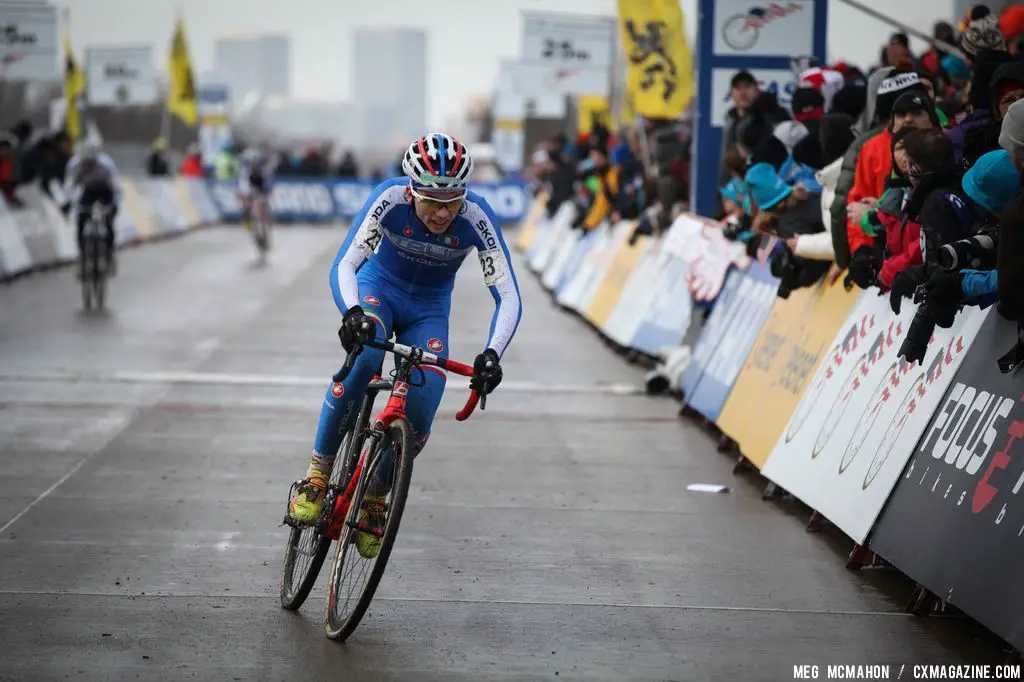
(371, 516)
(308, 502)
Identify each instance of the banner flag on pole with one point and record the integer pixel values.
(74, 85)
(181, 98)
(658, 58)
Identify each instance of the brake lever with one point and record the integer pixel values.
(483, 402)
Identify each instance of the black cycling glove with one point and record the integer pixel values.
(486, 372)
(356, 328)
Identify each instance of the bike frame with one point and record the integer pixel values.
(412, 357)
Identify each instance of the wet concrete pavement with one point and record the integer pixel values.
(145, 458)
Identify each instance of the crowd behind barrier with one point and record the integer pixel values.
(919, 462)
(35, 234)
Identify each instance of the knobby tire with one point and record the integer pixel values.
(400, 434)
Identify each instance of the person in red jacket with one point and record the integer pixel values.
(902, 235)
(192, 166)
(874, 166)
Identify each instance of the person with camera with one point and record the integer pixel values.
(937, 202)
(967, 275)
(786, 212)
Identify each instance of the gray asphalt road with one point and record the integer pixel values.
(145, 459)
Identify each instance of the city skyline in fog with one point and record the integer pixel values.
(466, 39)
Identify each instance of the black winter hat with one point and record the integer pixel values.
(985, 65)
(915, 101)
(836, 133)
(772, 151)
(806, 100)
(892, 86)
(850, 100)
(809, 152)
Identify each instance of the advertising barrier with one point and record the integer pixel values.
(955, 522)
(738, 321)
(846, 443)
(918, 461)
(315, 200)
(37, 234)
(530, 224)
(780, 366)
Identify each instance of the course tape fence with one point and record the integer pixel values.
(920, 463)
(36, 235)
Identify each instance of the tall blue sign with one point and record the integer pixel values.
(762, 37)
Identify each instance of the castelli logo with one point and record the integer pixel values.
(372, 300)
(435, 345)
(337, 390)
(407, 231)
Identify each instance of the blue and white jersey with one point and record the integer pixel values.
(388, 241)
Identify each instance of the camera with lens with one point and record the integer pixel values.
(919, 333)
(734, 229)
(977, 252)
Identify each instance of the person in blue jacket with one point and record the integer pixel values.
(395, 272)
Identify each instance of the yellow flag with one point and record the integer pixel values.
(74, 87)
(181, 98)
(659, 64)
(591, 107)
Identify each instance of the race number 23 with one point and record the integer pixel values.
(493, 265)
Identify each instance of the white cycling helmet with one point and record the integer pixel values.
(438, 161)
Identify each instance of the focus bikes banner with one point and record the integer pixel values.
(955, 522)
(731, 332)
(315, 200)
(851, 434)
(780, 366)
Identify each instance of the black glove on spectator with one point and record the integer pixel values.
(486, 372)
(863, 269)
(944, 294)
(356, 328)
(903, 286)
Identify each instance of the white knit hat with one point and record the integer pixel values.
(1011, 135)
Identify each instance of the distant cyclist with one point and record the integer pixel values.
(255, 175)
(395, 272)
(91, 177)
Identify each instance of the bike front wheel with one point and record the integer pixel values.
(354, 576)
(307, 546)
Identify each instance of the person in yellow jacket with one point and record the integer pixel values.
(226, 163)
(603, 183)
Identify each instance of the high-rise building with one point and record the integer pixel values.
(389, 77)
(255, 63)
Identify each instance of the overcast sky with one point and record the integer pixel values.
(467, 38)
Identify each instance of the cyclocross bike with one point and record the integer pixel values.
(380, 452)
(95, 259)
(260, 220)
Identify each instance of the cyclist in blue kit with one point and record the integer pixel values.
(395, 272)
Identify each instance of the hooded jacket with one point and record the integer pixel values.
(819, 246)
(875, 165)
(938, 205)
(847, 173)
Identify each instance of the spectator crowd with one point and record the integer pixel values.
(907, 176)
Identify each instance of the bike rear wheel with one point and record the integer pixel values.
(88, 264)
(354, 578)
(307, 546)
